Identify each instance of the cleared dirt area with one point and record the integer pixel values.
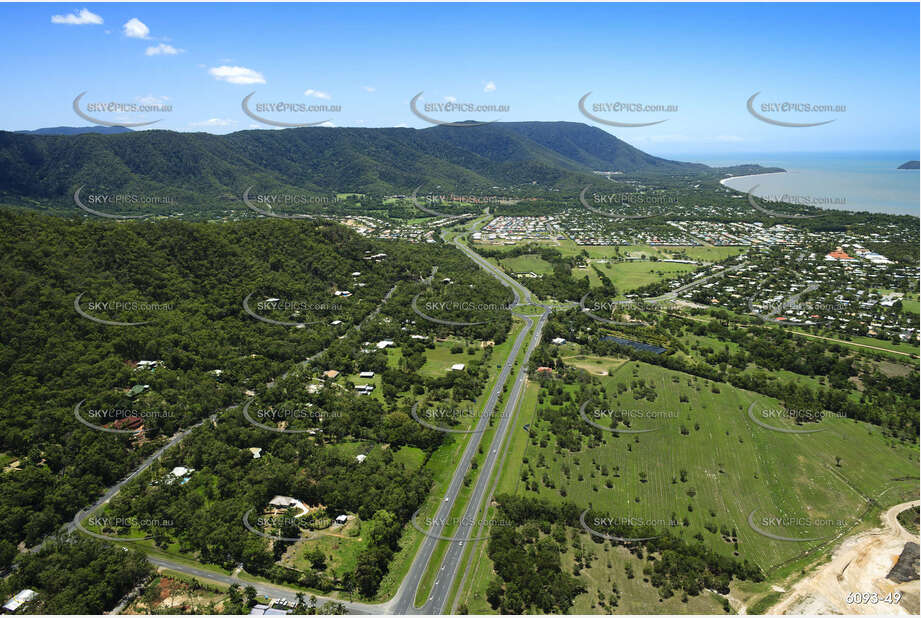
(859, 565)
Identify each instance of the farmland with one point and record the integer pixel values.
(733, 466)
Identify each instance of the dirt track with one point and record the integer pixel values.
(859, 564)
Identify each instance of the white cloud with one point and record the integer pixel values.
(214, 122)
(82, 18)
(451, 99)
(327, 124)
(671, 138)
(136, 29)
(490, 86)
(310, 92)
(402, 125)
(369, 88)
(151, 99)
(162, 49)
(236, 75)
(678, 138)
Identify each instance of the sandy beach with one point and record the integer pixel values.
(723, 181)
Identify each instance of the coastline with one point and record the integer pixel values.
(723, 181)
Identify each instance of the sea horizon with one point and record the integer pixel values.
(864, 180)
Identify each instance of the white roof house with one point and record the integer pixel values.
(181, 471)
(20, 598)
(366, 374)
(384, 344)
(360, 458)
(288, 501)
(457, 367)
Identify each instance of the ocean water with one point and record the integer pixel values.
(857, 181)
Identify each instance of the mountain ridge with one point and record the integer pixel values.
(526, 156)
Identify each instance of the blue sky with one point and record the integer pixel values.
(537, 59)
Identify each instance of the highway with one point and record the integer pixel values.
(451, 562)
(403, 601)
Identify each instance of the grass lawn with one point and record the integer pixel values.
(705, 254)
(410, 456)
(438, 361)
(337, 543)
(733, 465)
(630, 275)
(527, 263)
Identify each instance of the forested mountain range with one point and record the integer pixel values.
(43, 171)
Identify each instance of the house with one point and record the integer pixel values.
(838, 255)
(366, 374)
(457, 367)
(361, 458)
(19, 599)
(135, 423)
(559, 341)
(342, 520)
(544, 370)
(147, 364)
(343, 293)
(332, 374)
(256, 451)
(285, 502)
(386, 343)
(335, 323)
(181, 472)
